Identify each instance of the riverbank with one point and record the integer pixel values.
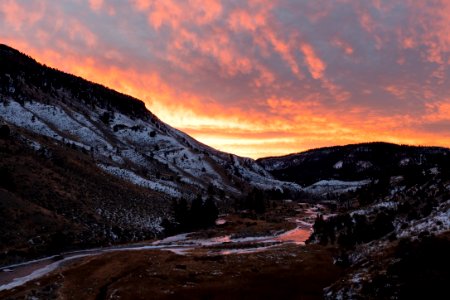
(285, 272)
(252, 257)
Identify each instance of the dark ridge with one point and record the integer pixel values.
(373, 145)
(19, 67)
(359, 161)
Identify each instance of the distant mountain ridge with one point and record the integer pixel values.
(353, 162)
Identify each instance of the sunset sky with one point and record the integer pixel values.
(258, 77)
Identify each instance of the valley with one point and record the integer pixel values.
(289, 271)
(209, 263)
(100, 199)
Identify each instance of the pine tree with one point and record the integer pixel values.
(210, 212)
(181, 214)
(196, 212)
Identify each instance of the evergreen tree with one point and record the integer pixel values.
(196, 212)
(259, 202)
(181, 213)
(210, 212)
(5, 132)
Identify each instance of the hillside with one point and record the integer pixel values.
(392, 218)
(96, 165)
(358, 163)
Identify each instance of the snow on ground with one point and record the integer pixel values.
(263, 179)
(179, 244)
(16, 114)
(364, 165)
(272, 166)
(133, 217)
(179, 158)
(33, 144)
(57, 117)
(53, 115)
(338, 165)
(136, 136)
(36, 117)
(434, 171)
(138, 141)
(121, 119)
(323, 187)
(194, 164)
(134, 156)
(404, 162)
(38, 273)
(172, 239)
(368, 210)
(81, 119)
(138, 180)
(438, 221)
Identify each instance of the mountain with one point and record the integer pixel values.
(83, 164)
(344, 168)
(392, 218)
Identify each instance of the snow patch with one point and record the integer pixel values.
(338, 165)
(138, 180)
(323, 187)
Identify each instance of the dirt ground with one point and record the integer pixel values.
(287, 272)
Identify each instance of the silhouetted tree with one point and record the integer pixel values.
(200, 214)
(210, 212)
(105, 118)
(196, 212)
(5, 132)
(6, 179)
(181, 213)
(254, 201)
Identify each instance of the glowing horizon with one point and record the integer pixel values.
(259, 78)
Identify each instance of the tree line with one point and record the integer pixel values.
(186, 217)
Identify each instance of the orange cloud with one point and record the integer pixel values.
(233, 74)
(397, 91)
(438, 112)
(78, 31)
(343, 45)
(96, 4)
(315, 65)
(174, 14)
(285, 51)
(18, 16)
(241, 19)
(289, 126)
(408, 43)
(141, 5)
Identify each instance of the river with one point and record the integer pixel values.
(16, 275)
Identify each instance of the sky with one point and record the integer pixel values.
(257, 78)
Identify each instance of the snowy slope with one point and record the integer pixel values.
(324, 187)
(126, 145)
(122, 136)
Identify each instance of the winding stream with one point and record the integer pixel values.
(16, 275)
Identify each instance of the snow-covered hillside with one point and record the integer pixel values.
(353, 163)
(122, 136)
(127, 145)
(324, 187)
(87, 166)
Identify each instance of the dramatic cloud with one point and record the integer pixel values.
(257, 77)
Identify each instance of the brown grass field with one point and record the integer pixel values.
(286, 272)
